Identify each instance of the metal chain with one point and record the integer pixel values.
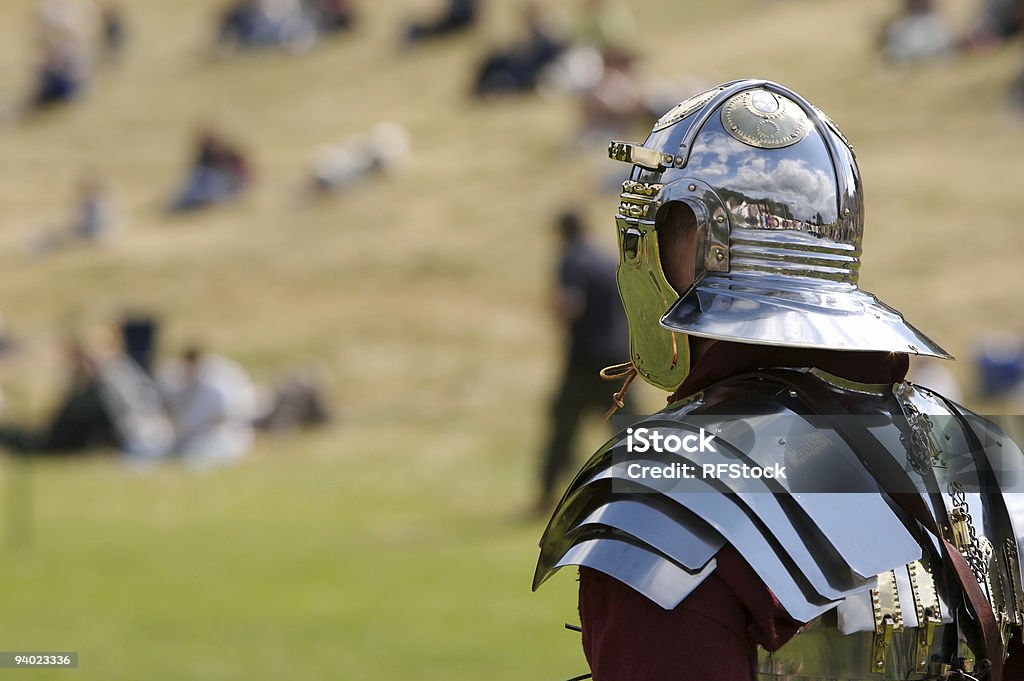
(974, 555)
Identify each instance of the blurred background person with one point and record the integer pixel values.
(587, 306)
(211, 403)
(256, 24)
(296, 400)
(64, 35)
(616, 102)
(919, 32)
(331, 16)
(60, 76)
(359, 159)
(93, 218)
(219, 173)
(518, 68)
(457, 16)
(114, 31)
(81, 421)
(999, 365)
(997, 22)
(108, 403)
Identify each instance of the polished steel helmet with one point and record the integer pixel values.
(775, 190)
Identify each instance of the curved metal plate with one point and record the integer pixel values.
(688, 541)
(658, 579)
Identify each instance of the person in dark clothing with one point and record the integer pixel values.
(82, 419)
(331, 16)
(59, 78)
(587, 302)
(518, 68)
(238, 23)
(998, 22)
(457, 17)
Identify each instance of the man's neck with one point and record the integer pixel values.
(713, 360)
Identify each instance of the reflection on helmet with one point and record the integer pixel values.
(777, 195)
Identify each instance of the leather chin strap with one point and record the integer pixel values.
(625, 372)
(877, 459)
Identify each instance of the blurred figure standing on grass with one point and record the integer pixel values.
(458, 16)
(587, 304)
(219, 173)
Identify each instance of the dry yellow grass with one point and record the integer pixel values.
(435, 281)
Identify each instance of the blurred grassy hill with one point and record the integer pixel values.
(390, 544)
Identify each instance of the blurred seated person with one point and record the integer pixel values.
(295, 401)
(60, 77)
(92, 219)
(616, 102)
(106, 404)
(82, 420)
(219, 173)
(211, 404)
(918, 33)
(998, 22)
(363, 157)
(457, 16)
(518, 68)
(331, 16)
(250, 24)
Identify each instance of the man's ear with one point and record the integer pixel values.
(676, 227)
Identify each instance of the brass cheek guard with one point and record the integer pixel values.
(661, 356)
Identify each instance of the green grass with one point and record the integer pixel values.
(391, 545)
(315, 568)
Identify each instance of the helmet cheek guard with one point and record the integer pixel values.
(659, 354)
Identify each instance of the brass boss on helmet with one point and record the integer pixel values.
(776, 195)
